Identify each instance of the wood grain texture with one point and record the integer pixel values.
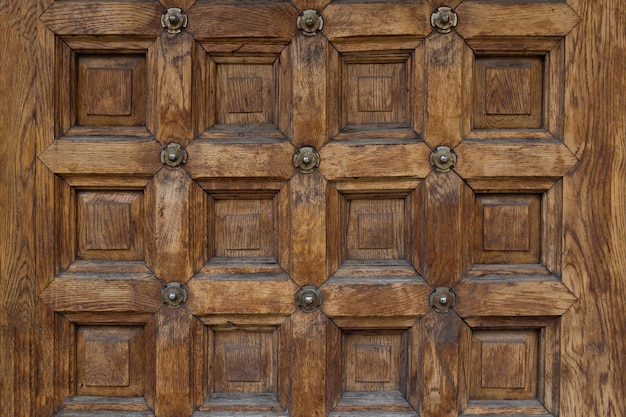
(208, 159)
(482, 19)
(104, 18)
(594, 199)
(352, 19)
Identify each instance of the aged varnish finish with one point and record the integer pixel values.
(312, 208)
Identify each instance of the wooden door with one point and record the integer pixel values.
(312, 208)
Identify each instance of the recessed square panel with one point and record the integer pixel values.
(507, 228)
(245, 228)
(375, 92)
(110, 361)
(244, 361)
(504, 364)
(508, 92)
(375, 229)
(111, 90)
(110, 225)
(246, 94)
(372, 361)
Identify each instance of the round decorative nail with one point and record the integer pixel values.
(309, 298)
(310, 22)
(442, 299)
(174, 20)
(173, 155)
(173, 294)
(443, 158)
(306, 159)
(443, 19)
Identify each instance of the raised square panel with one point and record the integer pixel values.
(375, 91)
(111, 90)
(244, 361)
(245, 228)
(504, 364)
(110, 361)
(508, 92)
(507, 229)
(372, 361)
(246, 94)
(110, 225)
(375, 229)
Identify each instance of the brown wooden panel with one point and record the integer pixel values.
(376, 18)
(89, 157)
(480, 19)
(511, 295)
(447, 58)
(173, 109)
(394, 298)
(373, 362)
(340, 161)
(255, 294)
(508, 92)
(507, 229)
(111, 90)
(208, 20)
(504, 364)
(88, 17)
(110, 225)
(110, 361)
(523, 160)
(239, 160)
(383, 403)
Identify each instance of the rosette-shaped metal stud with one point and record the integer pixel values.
(442, 299)
(310, 22)
(443, 19)
(309, 298)
(174, 20)
(443, 158)
(174, 294)
(173, 155)
(306, 159)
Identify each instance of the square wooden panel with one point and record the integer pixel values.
(508, 92)
(375, 229)
(373, 362)
(246, 91)
(245, 228)
(111, 90)
(110, 225)
(244, 361)
(507, 229)
(375, 91)
(504, 364)
(110, 361)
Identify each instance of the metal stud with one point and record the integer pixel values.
(442, 299)
(306, 159)
(309, 298)
(443, 19)
(443, 159)
(310, 22)
(173, 155)
(173, 294)
(174, 20)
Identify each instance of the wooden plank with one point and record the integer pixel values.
(95, 18)
(308, 59)
(104, 292)
(519, 159)
(512, 296)
(440, 363)
(275, 22)
(308, 229)
(130, 157)
(255, 294)
(169, 200)
(343, 161)
(173, 88)
(529, 18)
(212, 159)
(377, 18)
(447, 107)
(392, 298)
(447, 204)
(594, 330)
